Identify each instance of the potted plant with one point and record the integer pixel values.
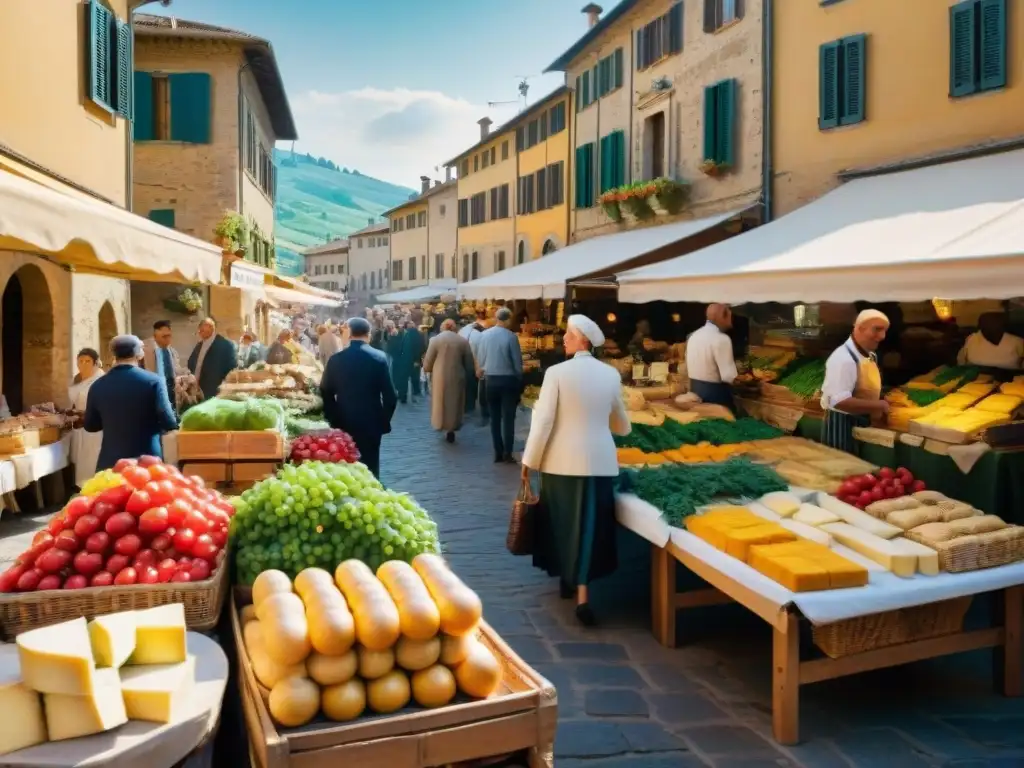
(188, 302)
(671, 195)
(637, 200)
(713, 168)
(610, 203)
(232, 232)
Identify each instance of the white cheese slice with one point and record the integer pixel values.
(805, 531)
(68, 717)
(160, 635)
(113, 638)
(927, 558)
(21, 709)
(809, 514)
(57, 659)
(881, 551)
(858, 518)
(781, 503)
(158, 693)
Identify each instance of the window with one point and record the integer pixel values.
(585, 187)
(110, 83)
(609, 74)
(316, 270)
(380, 277)
(521, 252)
(476, 163)
(542, 124)
(660, 38)
(487, 159)
(173, 107)
(556, 118)
(363, 280)
(654, 146)
(503, 212)
(542, 189)
(532, 136)
(494, 154)
(478, 208)
(373, 281)
(464, 212)
(441, 209)
(396, 270)
(384, 241)
(465, 168)
(423, 266)
(525, 202)
(474, 268)
(556, 184)
(410, 221)
(332, 269)
(421, 219)
(718, 13)
(977, 52)
(412, 267)
(465, 267)
(494, 203)
(520, 139)
(504, 150)
(499, 261)
(359, 242)
(163, 216)
(439, 265)
(613, 161)
(841, 82)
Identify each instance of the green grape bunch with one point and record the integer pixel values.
(320, 514)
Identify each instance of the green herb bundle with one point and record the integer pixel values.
(672, 434)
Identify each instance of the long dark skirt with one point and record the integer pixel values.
(575, 533)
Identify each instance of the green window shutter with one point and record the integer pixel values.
(163, 216)
(854, 54)
(124, 70)
(603, 160)
(579, 94)
(618, 68)
(993, 45)
(675, 28)
(142, 106)
(640, 53)
(190, 107)
(621, 142)
(586, 89)
(828, 85)
(962, 67)
(710, 113)
(725, 121)
(100, 54)
(580, 178)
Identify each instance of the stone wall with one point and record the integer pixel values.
(148, 307)
(100, 310)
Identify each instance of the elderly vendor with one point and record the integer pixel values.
(709, 358)
(991, 346)
(852, 393)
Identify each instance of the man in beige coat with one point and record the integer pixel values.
(449, 360)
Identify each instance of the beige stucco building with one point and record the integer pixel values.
(662, 88)
(423, 235)
(327, 265)
(369, 263)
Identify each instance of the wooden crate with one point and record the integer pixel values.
(268, 444)
(203, 445)
(521, 718)
(248, 472)
(211, 473)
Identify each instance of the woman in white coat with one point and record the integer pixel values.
(85, 446)
(571, 444)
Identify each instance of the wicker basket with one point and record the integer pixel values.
(203, 602)
(882, 630)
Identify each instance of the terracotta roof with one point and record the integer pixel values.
(258, 53)
(380, 226)
(422, 196)
(335, 246)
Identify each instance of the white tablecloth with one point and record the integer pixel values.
(8, 483)
(40, 462)
(884, 592)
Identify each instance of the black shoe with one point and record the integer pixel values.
(508, 459)
(585, 616)
(564, 590)
(498, 459)
(450, 437)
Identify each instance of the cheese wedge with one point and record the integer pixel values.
(798, 574)
(739, 540)
(68, 717)
(809, 514)
(809, 532)
(858, 518)
(875, 548)
(927, 558)
(112, 638)
(57, 659)
(158, 693)
(781, 503)
(22, 723)
(160, 635)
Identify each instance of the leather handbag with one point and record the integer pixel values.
(522, 522)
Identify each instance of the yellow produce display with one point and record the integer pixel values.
(377, 622)
(460, 607)
(1015, 387)
(806, 566)
(417, 611)
(1002, 403)
(973, 420)
(434, 686)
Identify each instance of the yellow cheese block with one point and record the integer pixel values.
(21, 723)
(798, 574)
(958, 400)
(938, 415)
(809, 532)
(113, 638)
(1004, 404)
(781, 503)
(891, 557)
(649, 418)
(858, 517)
(68, 717)
(57, 659)
(1013, 388)
(158, 693)
(927, 558)
(160, 635)
(809, 514)
(739, 540)
(802, 566)
(976, 389)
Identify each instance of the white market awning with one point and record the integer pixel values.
(546, 277)
(94, 236)
(420, 293)
(290, 296)
(953, 231)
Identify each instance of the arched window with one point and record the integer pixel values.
(521, 252)
(549, 247)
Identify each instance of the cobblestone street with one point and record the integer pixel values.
(626, 701)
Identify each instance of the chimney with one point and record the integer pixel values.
(447, 173)
(437, 183)
(424, 183)
(485, 127)
(593, 12)
(369, 221)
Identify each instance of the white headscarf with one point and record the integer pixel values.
(586, 328)
(867, 315)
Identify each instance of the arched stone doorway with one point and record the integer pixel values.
(27, 339)
(108, 330)
(549, 247)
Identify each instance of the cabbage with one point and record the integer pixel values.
(218, 415)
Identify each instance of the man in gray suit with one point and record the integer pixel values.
(160, 357)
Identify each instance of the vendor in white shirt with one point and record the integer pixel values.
(852, 393)
(709, 358)
(991, 346)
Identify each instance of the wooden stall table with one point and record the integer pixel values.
(731, 580)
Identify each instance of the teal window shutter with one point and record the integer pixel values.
(124, 70)
(603, 160)
(962, 60)
(675, 28)
(710, 113)
(580, 178)
(586, 90)
(725, 120)
(854, 54)
(992, 52)
(619, 138)
(579, 95)
(163, 216)
(142, 106)
(101, 49)
(618, 68)
(828, 84)
(190, 107)
(597, 93)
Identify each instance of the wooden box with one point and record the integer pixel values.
(211, 473)
(203, 445)
(268, 444)
(521, 718)
(246, 472)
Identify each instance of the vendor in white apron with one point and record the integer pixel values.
(709, 358)
(852, 393)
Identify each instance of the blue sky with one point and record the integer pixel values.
(395, 87)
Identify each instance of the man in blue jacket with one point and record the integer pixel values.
(130, 406)
(358, 394)
(212, 359)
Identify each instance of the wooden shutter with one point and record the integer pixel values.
(962, 68)
(163, 216)
(618, 69)
(100, 54)
(992, 56)
(664, 27)
(620, 178)
(579, 97)
(725, 120)
(710, 15)
(586, 89)
(675, 28)
(828, 85)
(640, 54)
(142, 106)
(124, 70)
(603, 158)
(580, 178)
(594, 87)
(709, 122)
(190, 107)
(854, 53)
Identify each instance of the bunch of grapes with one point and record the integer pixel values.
(332, 445)
(319, 514)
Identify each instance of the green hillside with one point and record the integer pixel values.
(318, 202)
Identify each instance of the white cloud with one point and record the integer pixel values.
(395, 135)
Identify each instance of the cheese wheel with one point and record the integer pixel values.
(480, 674)
(389, 693)
(332, 670)
(374, 664)
(459, 606)
(455, 648)
(417, 611)
(433, 686)
(294, 702)
(285, 628)
(269, 583)
(377, 623)
(331, 626)
(417, 654)
(345, 701)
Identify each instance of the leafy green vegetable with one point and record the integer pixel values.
(965, 373)
(923, 397)
(806, 380)
(672, 434)
(219, 415)
(299, 425)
